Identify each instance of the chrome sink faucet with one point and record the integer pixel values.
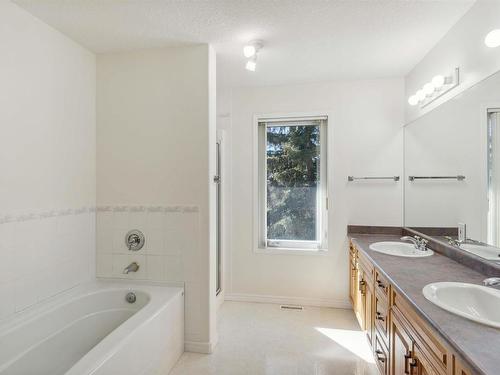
(132, 267)
(453, 241)
(419, 243)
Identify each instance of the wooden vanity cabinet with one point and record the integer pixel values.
(361, 292)
(402, 343)
(353, 275)
(401, 347)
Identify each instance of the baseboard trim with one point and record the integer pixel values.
(283, 300)
(199, 347)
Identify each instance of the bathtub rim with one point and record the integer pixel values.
(50, 304)
(161, 295)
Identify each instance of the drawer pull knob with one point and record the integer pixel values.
(380, 316)
(361, 288)
(380, 356)
(407, 357)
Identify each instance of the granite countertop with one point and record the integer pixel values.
(477, 344)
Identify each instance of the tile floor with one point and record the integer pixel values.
(262, 339)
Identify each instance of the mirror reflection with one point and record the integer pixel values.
(452, 171)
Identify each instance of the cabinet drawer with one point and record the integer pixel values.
(381, 355)
(381, 284)
(382, 317)
(367, 268)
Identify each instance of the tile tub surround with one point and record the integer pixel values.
(171, 241)
(475, 343)
(44, 253)
(171, 253)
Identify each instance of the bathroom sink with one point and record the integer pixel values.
(484, 251)
(475, 302)
(400, 249)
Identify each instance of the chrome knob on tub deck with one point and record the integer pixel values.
(132, 267)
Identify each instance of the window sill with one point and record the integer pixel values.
(291, 251)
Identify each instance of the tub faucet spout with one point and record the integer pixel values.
(132, 267)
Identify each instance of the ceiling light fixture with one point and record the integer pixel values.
(438, 86)
(251, 65)
(492, 40)
(252, 48)
(250, 51)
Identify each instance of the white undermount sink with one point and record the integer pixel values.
(484, 251)
(400, 249)
(475, 302)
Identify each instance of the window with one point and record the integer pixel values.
(292, 183)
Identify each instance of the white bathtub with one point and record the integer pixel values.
(92, 329)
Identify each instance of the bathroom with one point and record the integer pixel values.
(249, 187)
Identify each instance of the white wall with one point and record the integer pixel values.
(463, 46)
(155, 131)
(366, 122)
(47, 159)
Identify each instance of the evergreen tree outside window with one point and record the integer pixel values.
(292, 183)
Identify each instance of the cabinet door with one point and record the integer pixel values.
(423, 365)
(361, 299)
(369, 312)
(352, 278)
(401, 345)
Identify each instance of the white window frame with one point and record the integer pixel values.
(262, 245)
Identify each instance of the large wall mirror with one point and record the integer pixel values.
(452, 170)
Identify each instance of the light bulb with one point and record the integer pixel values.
(249, 51)
(413, 100)
(492, 40)
(428, 89)
(438, 82)
(251, 65)
(420, 95)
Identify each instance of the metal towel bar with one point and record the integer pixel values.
(458, 178)
(352, 178)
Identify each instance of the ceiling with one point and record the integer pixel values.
(305, 40)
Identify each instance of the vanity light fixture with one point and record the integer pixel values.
(429, 89)
(492, 39)
(438, 81)
(438, 86)
(413, 100)
(250, 51)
